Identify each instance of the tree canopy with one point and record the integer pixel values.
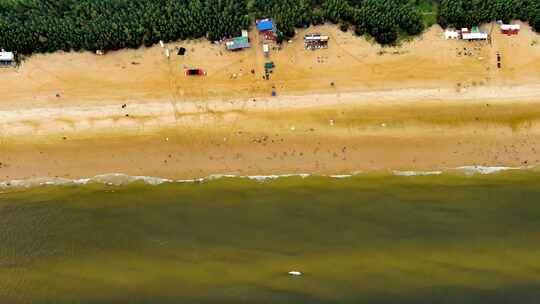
(29, 26)
(47, 25)
(466, 13)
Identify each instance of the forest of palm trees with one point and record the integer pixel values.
(29, 26)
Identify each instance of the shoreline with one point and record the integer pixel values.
(119, 179)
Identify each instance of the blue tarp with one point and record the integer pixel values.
(265, 25)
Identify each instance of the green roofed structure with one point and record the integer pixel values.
(238, 43)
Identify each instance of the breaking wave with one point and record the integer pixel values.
(416, 173)
(119, 179)
(471, 170)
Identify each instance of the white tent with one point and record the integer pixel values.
(475, 36)
(6, 56)
(450, 34)
(315, 38)
(510, 27)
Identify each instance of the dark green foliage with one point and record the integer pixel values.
(336, 10)
(384, 19)
(533, 15)
(280, 37)
(466, 13)
(317, 18)
(44, 26)
(29, 26)
(287, 14)
(344, 26)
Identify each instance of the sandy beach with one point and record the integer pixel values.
(429, 104)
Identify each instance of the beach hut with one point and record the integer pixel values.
(451, 34)
(238, 43)
(265, 25)
(315, 41)
(6, 58)
(474, 36)
(266, 29)
(510, 29)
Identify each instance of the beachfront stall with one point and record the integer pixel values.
(473, 34)
(510, 29)
(451, 34)
(264, 25)
(238, 43)
(315, 41)
(266, 29)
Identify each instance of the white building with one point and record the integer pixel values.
(6, 58)
(510, 27)
(475, 36)
(451, 34)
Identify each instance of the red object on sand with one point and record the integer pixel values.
(195, 72)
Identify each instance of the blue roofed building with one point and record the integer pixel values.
(265, 25)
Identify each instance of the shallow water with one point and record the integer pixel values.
(447, 238)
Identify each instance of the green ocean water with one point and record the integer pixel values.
(368, 239)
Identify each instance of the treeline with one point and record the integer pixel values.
(29, 26)
(48, 25)
(385, 20)
(466, 13)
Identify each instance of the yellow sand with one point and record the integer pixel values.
(420, 106)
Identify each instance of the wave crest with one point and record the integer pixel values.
(120, 179)
(471, 170)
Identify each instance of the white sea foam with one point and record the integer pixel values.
(341, 176)
(416, 173)
(120, 179)
(261, 178)
(112, 179)
(26, 183)
(190, 181)
(471, 170)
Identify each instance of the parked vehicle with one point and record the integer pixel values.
(195, 72)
